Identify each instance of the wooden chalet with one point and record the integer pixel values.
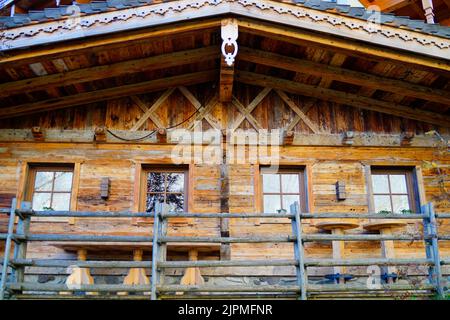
(224, 148)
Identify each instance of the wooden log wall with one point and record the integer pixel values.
(122, 162)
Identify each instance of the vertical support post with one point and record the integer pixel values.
(432, 248)
(162, 252)
(20, 250)
(155, 247)
(12, 217)
(299, 250)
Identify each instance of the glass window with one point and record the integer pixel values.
(50, 188)
(166, 186)
(281, 190)
(393, 190)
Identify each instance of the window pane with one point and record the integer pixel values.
(155, 182)
(41, 201)
(61, 201)
(398, 183)
(380, 183)
(175, 182)
(290, 183)
(400, 203)
(272, 203)
(288, 200)
(151, 201)
(175, 202)
(44, 181)
(271, 183)
(63, 181)
(382, 203)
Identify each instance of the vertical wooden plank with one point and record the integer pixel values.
(257, 191)
(75, 187)
(191, 188)
(368, 178)
(420, 185)
(23, 174)
(137, 190)
(7, 248)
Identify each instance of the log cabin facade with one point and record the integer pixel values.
(222, 106)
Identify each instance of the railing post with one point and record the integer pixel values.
(162, 251)
(20, 250)
(299, 250)
(432, 248)
(12, 217)
(155, 249)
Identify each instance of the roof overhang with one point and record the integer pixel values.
(292, 15)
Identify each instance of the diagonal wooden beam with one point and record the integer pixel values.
(297, 118)
(197, 105)
(150, 112)
(108, 71)
(204, 112)
(345, 75)
(139, 103)
(108, 94)
(314, 128)
(246, 113)
(343, 98)
(252, 105)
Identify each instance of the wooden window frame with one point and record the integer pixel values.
(143, 172)
(33, 168)
(411, 185)
(303, 189)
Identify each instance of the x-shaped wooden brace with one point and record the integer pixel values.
(246, 113)
(301, 115)
(203, 113)
(149, 113)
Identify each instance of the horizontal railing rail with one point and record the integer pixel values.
(158, 240)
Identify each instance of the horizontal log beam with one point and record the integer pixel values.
(360, 139)
(342, 45)
(381, 287)
(28, 286)
(107, 42)
(344, 75)
(342, 98)
(230, 288)
(108, 71)
(108, 94)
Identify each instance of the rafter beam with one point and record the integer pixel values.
(106, 42)
(343, 98)
(300, 37)
(229, 33)
(345, 75)
(108, 71)
(108, 94)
